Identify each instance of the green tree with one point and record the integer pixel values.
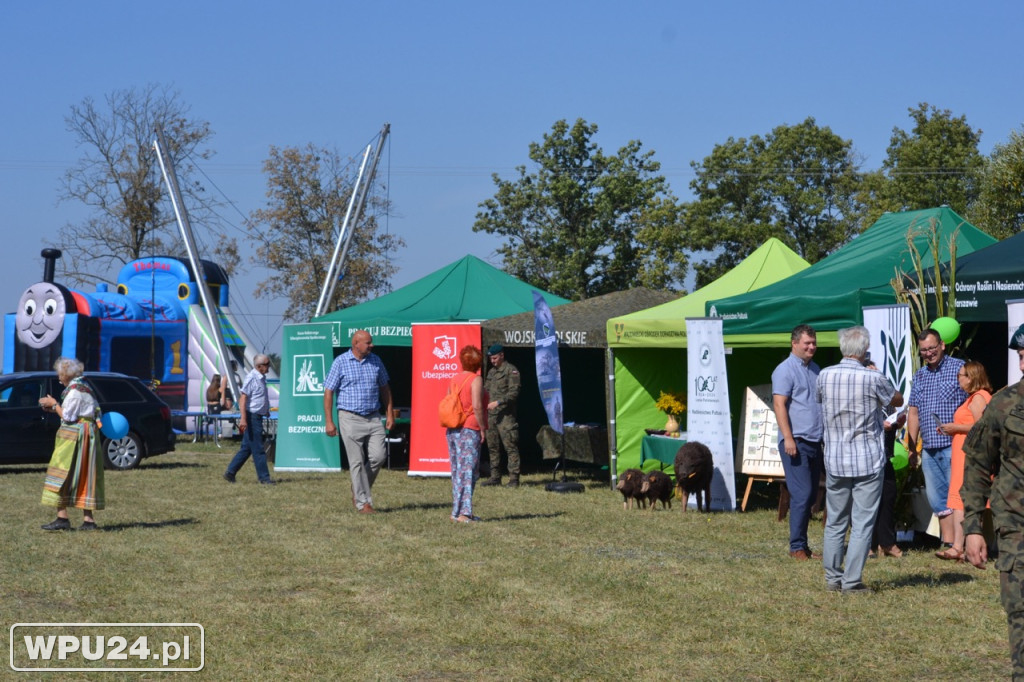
(585, 223)
(308, 192)
(119, 178)
(936, 163)
(797, 183)
(1000, 206)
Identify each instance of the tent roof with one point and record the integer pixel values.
(987, 278)
(664, 326)
(830, 294)
(468, 289)
(579, 325)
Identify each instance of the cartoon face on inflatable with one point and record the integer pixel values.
(40, 316)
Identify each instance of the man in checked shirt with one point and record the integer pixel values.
(851, 395)
(361, 382)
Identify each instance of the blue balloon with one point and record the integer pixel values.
(115, 426)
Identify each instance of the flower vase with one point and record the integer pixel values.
(672, 425)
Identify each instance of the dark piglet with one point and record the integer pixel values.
(629, 485)
(694, 467)
(658, 486)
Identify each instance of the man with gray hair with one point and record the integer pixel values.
(851, 395)
(253, 406)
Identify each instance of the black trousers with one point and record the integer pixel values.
(885, 522)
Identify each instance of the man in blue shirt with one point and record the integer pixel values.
(935, 394)
(851, 395)
(253, 406)
(361, 382)
(794, 399)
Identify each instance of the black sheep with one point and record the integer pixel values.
(629, 485)
(695, 467)
(658, 486)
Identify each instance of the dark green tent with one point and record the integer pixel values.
(830, 294)
(466, 290)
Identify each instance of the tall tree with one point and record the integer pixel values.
(585, 223)
(308, 192)
(1000, 206)
(797, 183)
(936, 163)
(119, 178)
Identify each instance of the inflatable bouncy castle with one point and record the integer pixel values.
(151, 326)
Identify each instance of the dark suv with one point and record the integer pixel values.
(27, 433)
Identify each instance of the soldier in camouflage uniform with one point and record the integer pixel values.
(502, 384)
(996, 446)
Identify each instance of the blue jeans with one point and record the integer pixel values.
(850, 502)
(936, 464)
(252, 444)
(803, 474)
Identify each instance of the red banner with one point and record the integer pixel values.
(435, 360)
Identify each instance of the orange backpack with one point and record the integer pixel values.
(450, 409)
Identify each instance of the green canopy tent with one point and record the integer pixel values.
(647, 345)
(830, 294)
(467, 290)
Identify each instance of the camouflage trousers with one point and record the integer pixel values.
(1011, 582)
(503, 431)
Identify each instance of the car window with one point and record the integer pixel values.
(112, 390)
(22, 394)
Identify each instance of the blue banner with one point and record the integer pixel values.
(549, 372)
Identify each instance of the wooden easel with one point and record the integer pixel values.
(783, 494)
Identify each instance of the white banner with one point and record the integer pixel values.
(707, 404)
(1014, 319)
(892, 348)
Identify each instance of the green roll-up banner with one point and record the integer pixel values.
(302, 443)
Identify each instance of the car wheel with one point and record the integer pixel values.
(124, 453)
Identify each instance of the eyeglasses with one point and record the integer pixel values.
(928, 351)
(263, 364)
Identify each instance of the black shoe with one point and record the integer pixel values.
(57, 524)
(512, 483)
(88, 525)
(859, 588)
(492, 481)
(230, 478)
(269, 481)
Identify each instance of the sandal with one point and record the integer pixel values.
(951, 554)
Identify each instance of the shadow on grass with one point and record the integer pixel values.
(148, 524)
(12, 471)
(926, 580)
(154, 464)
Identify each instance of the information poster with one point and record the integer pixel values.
(758, 451)
(307, 352)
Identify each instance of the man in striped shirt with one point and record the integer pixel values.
(851, 395)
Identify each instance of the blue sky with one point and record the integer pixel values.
(467, 87)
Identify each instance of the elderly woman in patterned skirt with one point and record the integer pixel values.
(74, 477)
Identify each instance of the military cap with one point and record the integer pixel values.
(1017, 340)
(495, 349)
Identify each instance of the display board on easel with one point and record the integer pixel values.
(758, 448)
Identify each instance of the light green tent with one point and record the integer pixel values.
(648, 345)
(468, 289)
(831, 294)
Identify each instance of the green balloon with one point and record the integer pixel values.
(899, 462)
(948, 329)
(900, 450)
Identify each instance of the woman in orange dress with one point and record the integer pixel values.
(974, 381)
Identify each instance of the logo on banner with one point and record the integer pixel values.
(619, 328)
(705, 385)
(336, 334)
(444, 347)
(309, 375)
(705, 354)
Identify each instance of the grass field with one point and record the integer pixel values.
(290, 583)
